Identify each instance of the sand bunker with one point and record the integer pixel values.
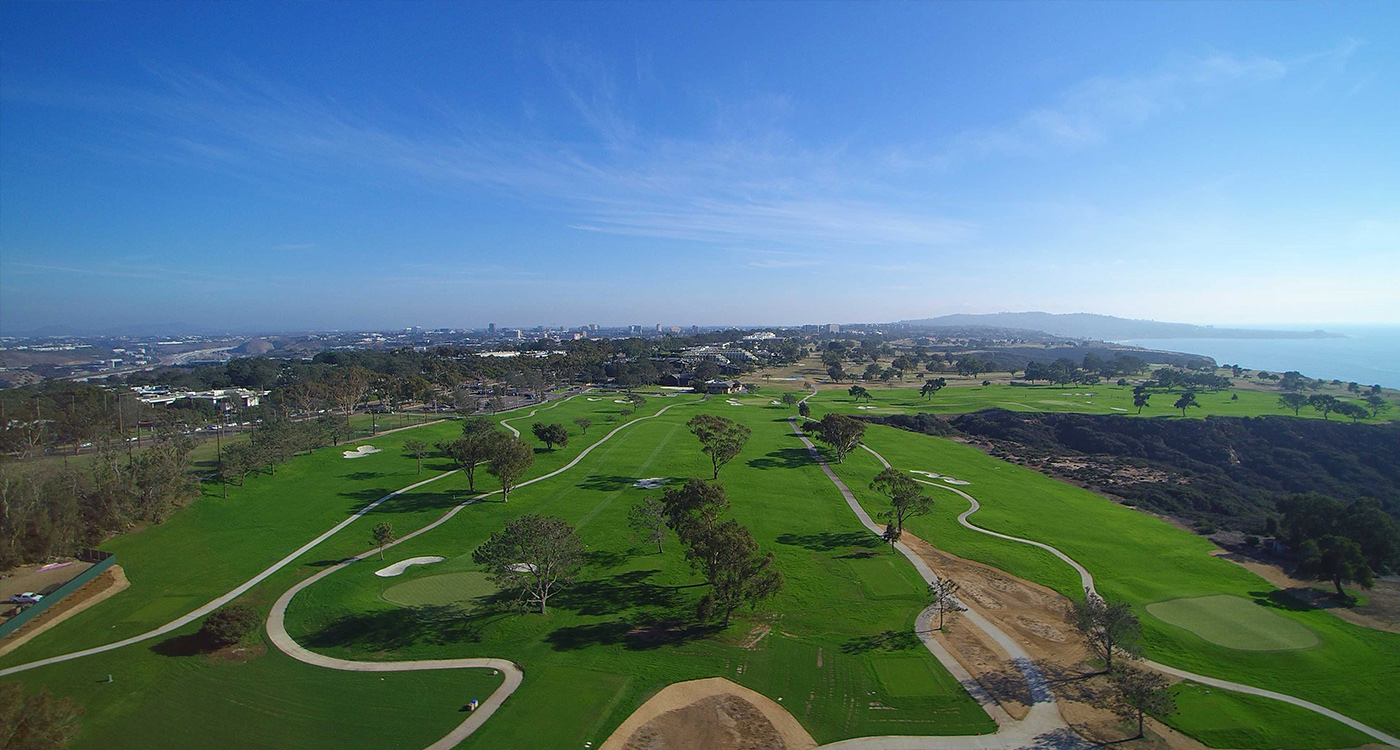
(709, 714)
(1117, 408)
(951, 480)
(650, 483)
(732, 402)
(521, 568)
(929, 474)
(595, 399)
(776, 403)
(398, 568)
(621, 401)
(361, 452)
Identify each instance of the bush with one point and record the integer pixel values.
(231, 624)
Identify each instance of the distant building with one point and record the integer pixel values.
(723, 386)
(491, 328)
(833, 328)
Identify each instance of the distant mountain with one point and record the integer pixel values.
(1108, 327)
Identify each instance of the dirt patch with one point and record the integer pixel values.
(757, 634)
(34, 578)
(710, 713)
(109, 583)
(1381, 611)
(237, 654)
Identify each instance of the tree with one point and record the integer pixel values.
(1137, 692)
(1294, 401)
(738, 571)
(346, 386)
(648, 518)
(418, 449)
(932, 387)
(230, 624)
(705, 370)
(721, 439)
(1337, 559)
(36, 721)
(510, 458)
(906, 496)
(1376, 404)
(693, 507)
(583, 424)
(858, 392)
(535, 556)
(943, 593)
(841, 432)
(475, 447)
(382, 536)
(551, 434)
(1187, 399)
(1352, 409)
(1107, 627)
(836, 373)
(789, 399)
(803, 410)
(1324, 403)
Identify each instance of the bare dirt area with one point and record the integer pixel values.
(1380, 612)
(1039, 619)
(111, 582)
(709, 714)
(32, 578)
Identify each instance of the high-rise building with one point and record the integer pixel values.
(491, 329)
(658, 328)
(833, 327)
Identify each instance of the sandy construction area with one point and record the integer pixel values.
(709, 714)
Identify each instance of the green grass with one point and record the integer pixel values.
(1234, 622)
(1220, 718)
(607, 645)
(1140, 559)
(1096, 399)
(460, 590)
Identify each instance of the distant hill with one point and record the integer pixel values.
(1108, 327)
(254, 347)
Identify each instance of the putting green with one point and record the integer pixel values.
(456, 589)
(1234, 622)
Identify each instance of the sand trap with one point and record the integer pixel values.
(707, 714)
(951, 480)
(595, 399)
(865, 407)
(1117, 408)
(650, 483)
(398, 568)
(776, 403)
(929, 474)
(732, 402)
(621, 401)
(521, 568)
(361, 451)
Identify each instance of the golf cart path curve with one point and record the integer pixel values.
(277, 628)
(1087, 580)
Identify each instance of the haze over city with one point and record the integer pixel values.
(296, 167)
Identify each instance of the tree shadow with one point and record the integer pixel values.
(184, 645)
(646, 635)
(609, 559)
(363, 476)
(606, 482)
(1280, 599)
(622, 592)
(393, 629)
(890, 640)
(415, 501)
(827, 541)
(783, 458)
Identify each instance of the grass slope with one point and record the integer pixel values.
(1141, 559)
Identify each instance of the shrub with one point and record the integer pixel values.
(231, 624)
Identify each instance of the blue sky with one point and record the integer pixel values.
(291, 166)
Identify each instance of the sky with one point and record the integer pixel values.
(280, 167)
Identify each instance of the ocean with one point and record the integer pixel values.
(1368, 354)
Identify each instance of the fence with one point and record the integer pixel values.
(102, 560)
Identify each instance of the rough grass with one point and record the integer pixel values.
(1234, 622)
